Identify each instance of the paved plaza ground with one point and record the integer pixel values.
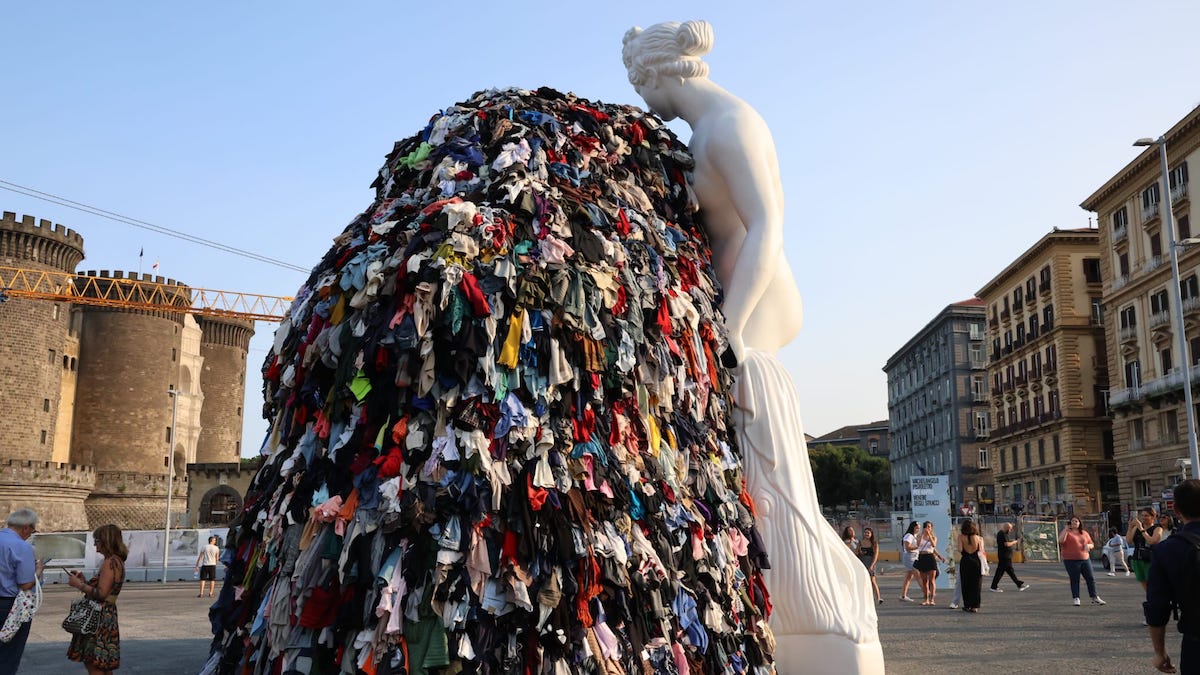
(164, 629)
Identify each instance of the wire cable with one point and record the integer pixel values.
(96, 211)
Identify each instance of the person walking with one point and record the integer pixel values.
(1075, 543)
(908, 558)
(1004, 559)
(18, 572)
(970, 566)
(928, 558)
(1144, 533)
(868, 553)
(1169, 580)
(100, 651)
(1116, 551)
(206, 565)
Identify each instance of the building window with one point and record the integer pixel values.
(53, 358)
(1158, 302)
(1060, 486)
(873, 446)
(1057, 448)
(981, 424)
(1123, 264)
(1014, 457)
(45, 405)
(1136, 434)
(56, 311)
(983, 458)
(1003, 464)
(1164, 361)
(239, 411)
(1091, 270)
(1017, 303)
(43, 436)
(1120, 219)
(1097, 311)
(1133, 375)
(168, 434)
(174, 354)
(1048, 317)
(1155, 245)
(1028, 456)
(1044, 280)
(1041, 451)
(1170, 427)
(1185, 227)
(1143, 488)
(1189, 288)
(1150, 199)
(1178, 178)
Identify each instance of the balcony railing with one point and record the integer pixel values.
(1156, 387)
(1152, 263)
(1191, 304)
(1120, 233)
(1160, 319)
(978, 363)
(1127, 333)
(1179, 192)
(1150, 212)
(1120, 281)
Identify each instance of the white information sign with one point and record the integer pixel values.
(931, 502)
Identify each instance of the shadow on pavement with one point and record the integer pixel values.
(145, 656)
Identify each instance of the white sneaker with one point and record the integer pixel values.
(1127, 573)
(953, 606)
(1075, 601)
(1097, 601)
(996, 590)
(905, 598)
(1112, 574)
(1023, 587)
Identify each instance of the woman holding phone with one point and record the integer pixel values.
(100, 651)
(1075, 544)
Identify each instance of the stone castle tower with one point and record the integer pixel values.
(34, 334)
(151, 386)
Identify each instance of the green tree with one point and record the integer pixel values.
(844, 473)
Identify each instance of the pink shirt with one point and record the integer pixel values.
(1074, 545)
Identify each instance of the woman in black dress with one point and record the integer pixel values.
(970, 568)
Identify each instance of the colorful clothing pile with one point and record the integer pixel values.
(500, 433)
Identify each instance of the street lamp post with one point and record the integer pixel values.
(174, 394)
(1168, 223)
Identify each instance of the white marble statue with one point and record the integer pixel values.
(824, 619)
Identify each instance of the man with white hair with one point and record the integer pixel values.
(18, 572)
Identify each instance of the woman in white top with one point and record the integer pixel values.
(908, 556)
(927, 562)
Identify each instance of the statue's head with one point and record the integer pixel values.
(664, 54)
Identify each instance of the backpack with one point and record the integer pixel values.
(1188, 602)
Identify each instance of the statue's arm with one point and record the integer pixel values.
(745, 159)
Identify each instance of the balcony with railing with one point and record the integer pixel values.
(1120, 281)
(1179, 193)
(1127, 333)
(1120, 233)
(1160, 319)
(1155, 388)
(978, 363)
(1152, 263)
(979, 396)
(1149, 212)
(1191, 305)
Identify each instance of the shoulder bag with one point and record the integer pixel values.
(24, 607)
(83, 617)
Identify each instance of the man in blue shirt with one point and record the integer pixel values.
(1165, 586)
(18, 572)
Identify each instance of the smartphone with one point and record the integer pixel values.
(46, 561)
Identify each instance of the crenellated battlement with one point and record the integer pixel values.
(132, 276)
(39, 245)
(32, 472)
(42, 228)
(225, 331)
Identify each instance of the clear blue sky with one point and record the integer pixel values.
(923, 145)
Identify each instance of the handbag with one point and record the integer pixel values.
(984, 568)
(83, 617)
(24, 607)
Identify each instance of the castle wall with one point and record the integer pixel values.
(33, 338)
(56, 491)
(66, 397)
(224, 345)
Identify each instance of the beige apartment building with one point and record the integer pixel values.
(1146, 398)
(1051, 442)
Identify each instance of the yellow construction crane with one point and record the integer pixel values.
(141, 293)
